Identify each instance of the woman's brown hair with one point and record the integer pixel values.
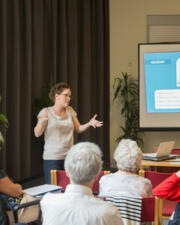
(57, 89)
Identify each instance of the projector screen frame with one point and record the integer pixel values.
(143, 127)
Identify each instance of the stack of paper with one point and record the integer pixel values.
(42, 189)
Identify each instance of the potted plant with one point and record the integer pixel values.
(126, 89)
(3, 126)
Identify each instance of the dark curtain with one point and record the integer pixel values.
(44, 42)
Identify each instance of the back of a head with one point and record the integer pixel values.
(83, 162)
(128, 155)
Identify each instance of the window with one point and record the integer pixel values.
(163, 28)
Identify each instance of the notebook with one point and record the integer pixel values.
(163, 152)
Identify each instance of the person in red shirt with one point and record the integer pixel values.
(170, 189)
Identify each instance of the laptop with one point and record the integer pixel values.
(163, 152)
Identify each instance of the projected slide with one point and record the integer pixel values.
(162, 80)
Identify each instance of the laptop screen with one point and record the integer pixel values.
(165, 148)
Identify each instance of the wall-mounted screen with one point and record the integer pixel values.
(159, 86)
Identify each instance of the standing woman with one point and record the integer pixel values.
(58, 123)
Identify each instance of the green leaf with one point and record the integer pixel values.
(3, 118)
(126, 89)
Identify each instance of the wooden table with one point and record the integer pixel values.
(155, 165)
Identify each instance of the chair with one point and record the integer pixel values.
(25, 205)
(150, 209)
(137, 210)
(95, 188)
(175, 151)
(156, 178)
(59, 177)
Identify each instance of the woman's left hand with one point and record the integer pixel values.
(95, 123)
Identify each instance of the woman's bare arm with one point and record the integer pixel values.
(92, 123)
(41, 124)
(9, 188)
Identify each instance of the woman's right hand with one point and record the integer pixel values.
(44, 116)
(9, 188)
(41, 123)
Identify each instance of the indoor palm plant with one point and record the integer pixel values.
(3, 126)
(126, 90)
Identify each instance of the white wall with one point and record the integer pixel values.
(127, 29)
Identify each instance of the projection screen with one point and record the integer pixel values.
(159, 86)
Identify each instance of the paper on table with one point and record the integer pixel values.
(175, 160)
(41, 189)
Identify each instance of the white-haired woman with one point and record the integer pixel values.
(125, 181)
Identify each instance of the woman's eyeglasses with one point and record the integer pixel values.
(66, 95)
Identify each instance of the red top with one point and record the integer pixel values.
(169, 188)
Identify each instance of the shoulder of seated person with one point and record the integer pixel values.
(106, 176)
(50, 195)
(146, 179)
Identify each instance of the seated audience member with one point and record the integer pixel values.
(125, 182)
(78, 205)
(7, 188)
(170, 189)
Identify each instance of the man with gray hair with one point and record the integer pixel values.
(77, 206)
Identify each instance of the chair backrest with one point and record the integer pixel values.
(96, 183)
(144, 209)
(156, 177)
(175, 151)
(155, 149)
(150, 211)
(59, 177)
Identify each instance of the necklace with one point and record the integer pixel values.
(59, 113)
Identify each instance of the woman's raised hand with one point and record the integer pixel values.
(95, 123)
